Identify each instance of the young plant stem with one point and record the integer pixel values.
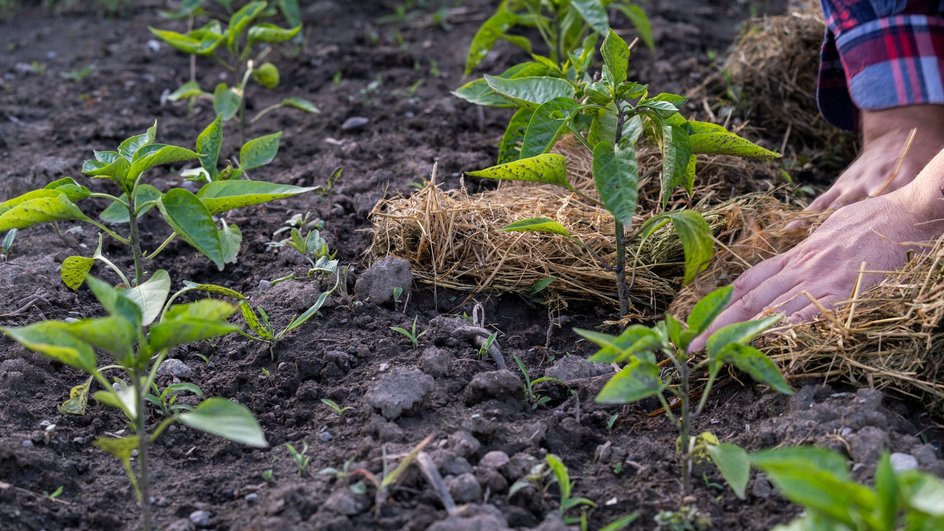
(685, 426)
(140, 428)
(135, 241)
(620, 231)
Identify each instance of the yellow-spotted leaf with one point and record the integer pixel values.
(549, 168)
(546, 225)
(74, 270)
(220, 196)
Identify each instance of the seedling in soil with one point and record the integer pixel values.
(7, 244)
(240, 48)
(642, 377)
(141, 327)
(312, 246)
(56, 493)
(268, 476)
(536, 400)
(383, 484)
(609, 117)
(397, 293)
(567, 502)
(258, 319)
(166, 400)
(190, 216)
(487, 344)
(338, 410)
(819, 480)
(562, 25)
(411, 334)
(301, 459)
(687, 518)
(339, 475)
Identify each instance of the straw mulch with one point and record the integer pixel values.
(453, 239)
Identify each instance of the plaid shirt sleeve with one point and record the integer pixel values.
(879, 54)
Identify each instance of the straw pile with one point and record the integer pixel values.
(770, 74)
(453, 239)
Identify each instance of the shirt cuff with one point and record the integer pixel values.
(894, 61)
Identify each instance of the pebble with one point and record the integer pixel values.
(901, 462)
(26, 443)
(354, 122)
(175, 368)
(201, 518)
(464, 488)
(252, 498)
(325, 436)
(494, 459)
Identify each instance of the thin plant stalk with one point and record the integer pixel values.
(135, 241)
(144, 481)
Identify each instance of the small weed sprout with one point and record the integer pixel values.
(166, 400)
(300, 458)
(333, 406)
(389, 478)
(411, 334)
(268, 476)
(56, 493)
(641, 377)
(6, 245)
(536, 400)
(397, 293)
(487, 344)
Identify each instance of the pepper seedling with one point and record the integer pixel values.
(142, 325)
(189, 215)
(609, 116)
(642, 377)
(240, 48)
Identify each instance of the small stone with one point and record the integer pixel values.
(26, 443)
(251, 498)
(901, 462)
(347, 503)
(571, 369)
(325, 436)
(494, 459)
(464, 488)
(399, 391)
(492, 384)
(176, 368)
(762, 487)
(518, 466)
(378, 283)
(354, 122)
(867, 445)
(201, 518)
(436, 361)
(464, 444)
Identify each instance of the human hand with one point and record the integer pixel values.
(826, 266)
(890, 157)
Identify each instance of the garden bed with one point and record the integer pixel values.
(398, 76)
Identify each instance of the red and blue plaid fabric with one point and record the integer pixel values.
(879, 54)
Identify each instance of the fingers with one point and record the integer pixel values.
(824, 201)
(810, 311)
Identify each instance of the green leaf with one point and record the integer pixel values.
(232, 421)
(121, 449)
(676, 152)
(550, 168)
(271, 33)
(188, 216)
(267, 75)
(603, 126)
(114, 301)
(734, 464)
(621, 523)
(114, 335)
(254, 323)
(72, 191)
(209, 143)
(130, 146)
(205, 309)
(146, 197)
(78, 399)
(220, 196)
(509, 149)
(74, 270)
(708, 309)
(535, 90)
(546, 225)
(638, 18)
(615, 172)
(889, 493)
(190, 89)
(183, 331)
(196, 43)
(478, 92)
(694, 233)
(729, 144)
(150, 296)
(488, 35)
(115, 170)
(593, 12)
(637, 380)
(157, 155)
(241, 19)
(547, 124)
(752, 361)
(226, 102)
(923, 492)
(51, 339)
(259, 151)
(40, 210)
(802, 456)
(301, 104)
(740, 333)
(634, 340)
(560, 474)
(615, 53)
(215, 289)
(232, 238)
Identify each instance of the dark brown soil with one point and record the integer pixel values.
(351, 66)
